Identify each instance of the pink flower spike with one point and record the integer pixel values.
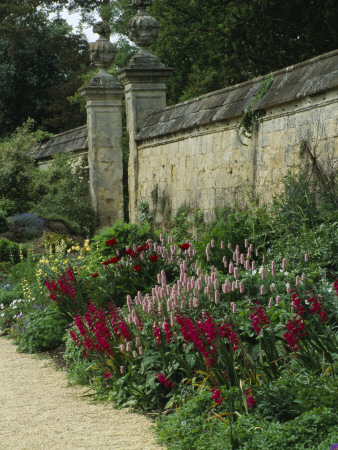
(306, 257)
(262, 289)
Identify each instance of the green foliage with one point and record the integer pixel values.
(294, 394)
(314, 429)
(145, 215)
(72, 227)
(249, 121)
(43, 331)
(68, 196)
(40, 63)
(3, 222)
(8, 206)
(180, 229)
(192, 427)
(189, 427)
(79, 368)
(20, 182)
(9, 292)
(11, 251)
(126, 234)
(244, 46)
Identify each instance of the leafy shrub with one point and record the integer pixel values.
(11, 251)
(43, 331)
(9, 293)
(126, 234)
(73, 227)
(21, 183)
(3, 222)
(314, 429)
(68, 193)
(8, 206)
(79, 368)
(31, 225)
(290, 395)
(190, 426)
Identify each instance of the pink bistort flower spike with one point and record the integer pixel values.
(284, 263)
(306, 257)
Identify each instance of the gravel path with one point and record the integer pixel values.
(39, 412)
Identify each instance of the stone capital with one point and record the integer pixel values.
(144, 75)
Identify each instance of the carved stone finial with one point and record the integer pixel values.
(102, 28)
(102, 52)
(143, 28)
(141, 4)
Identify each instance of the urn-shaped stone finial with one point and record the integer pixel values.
(142, 28)
(102, 52)
(141, 3)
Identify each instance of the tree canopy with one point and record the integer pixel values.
(210, 44)
(40, 64)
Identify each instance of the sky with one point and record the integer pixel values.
(73, 20)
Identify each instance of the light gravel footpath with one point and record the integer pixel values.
(39, 412)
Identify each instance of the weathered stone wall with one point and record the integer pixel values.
(190, 154)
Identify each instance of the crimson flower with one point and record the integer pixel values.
(111, 242)
(143, 247)
(216, 396)
(153, 258)
(250, 399)
(94, 275)
(111, 261)
(137, 268)
(107, 375)
(184, 246)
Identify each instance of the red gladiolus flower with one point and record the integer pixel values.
(94, 275)
(107, 375)
(137, 268)
(295, 332)
(250, 399)
(259, 320)
(184, 246)
(114, 260)
(163, 380)
(216, 396)
(335, 286)
(111, 242)
(153, 258)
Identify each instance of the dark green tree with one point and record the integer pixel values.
(40, 64)
(215, 43)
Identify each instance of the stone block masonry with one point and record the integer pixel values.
(194, 156)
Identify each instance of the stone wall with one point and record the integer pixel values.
(191, 154)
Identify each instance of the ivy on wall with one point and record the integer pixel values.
(250, 120)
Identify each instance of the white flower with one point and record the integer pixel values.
(254, 272)
(2, 315)
(287, 285)
(329, 289)
(14, 307)
(286, 273)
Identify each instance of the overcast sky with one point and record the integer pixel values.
(73, 20)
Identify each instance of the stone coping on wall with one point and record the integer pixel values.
(75, 141)
(306, 79)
